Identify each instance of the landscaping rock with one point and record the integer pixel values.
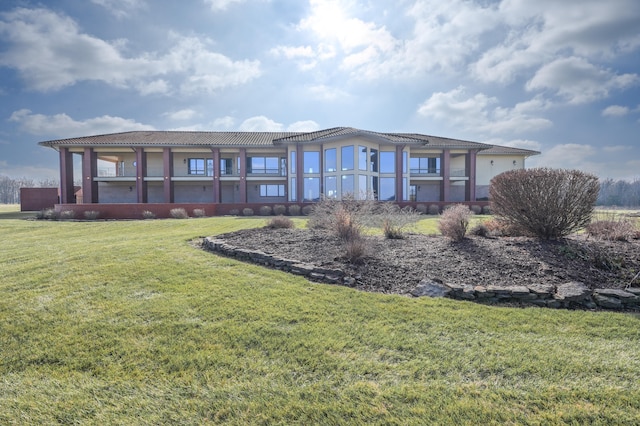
(431, 289)
(572, 292)
(607, 302)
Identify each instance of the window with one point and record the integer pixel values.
(347, 185)
(405, 157)
(311, 189)
(293, 163)
(209, 166)
(331, 187)
(424, 165)
(272, 190)
(362, 158)
(374, 187)
(330, 160)
(226, 166)
(387, 189)
(311, 162)
(362, 187)
(373, 155)
(293, 194)
(263, 165)
(196, 166)
(347, 157)
(387, 162)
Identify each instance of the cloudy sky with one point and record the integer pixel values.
(561, 77)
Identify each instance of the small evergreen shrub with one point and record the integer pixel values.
(179, 213)
(199, 213)
(548, 203)
(294, 210)
(47, 214)
(280, 222)
(148, 214)
(234, 212)
(247, 211)
(434, 209)
(67, 215)
(476, 209)
(91, 214)
(486, 210)
(422, 208)
(306, 210)
(480, 230)
(454, 222)
(279, 209)
(265, 211)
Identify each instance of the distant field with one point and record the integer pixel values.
(127, 323)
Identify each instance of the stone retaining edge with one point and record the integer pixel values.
(570, 295)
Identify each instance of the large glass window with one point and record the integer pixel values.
(387, 189)
(311, 189)
(347, 186)
(294, 164)
(311, 162)
(374, 188)
(424, 165)
(331, 187)
(226, 166)
(405, 156)
(362, 187)
(362, 158)
(387, 162)
(373, 155)
(196, 166)
(293, 193)
(263, 165)
(270, 190)
(330, 160)
(405, 195)
(209, 166)
(347, 157)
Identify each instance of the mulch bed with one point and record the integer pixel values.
(397, 266)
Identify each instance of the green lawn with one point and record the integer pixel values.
(124, 322)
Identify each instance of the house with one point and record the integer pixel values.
(124, 172)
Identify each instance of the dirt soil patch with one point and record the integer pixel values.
(397, 266)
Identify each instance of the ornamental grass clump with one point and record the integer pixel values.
(179, 213)
(454, 222)
(280, 222)
(547, 203)
(612, 229)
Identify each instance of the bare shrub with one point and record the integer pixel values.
(91, 214)
(280, 222)
(500, 228)
(265, 211)
(454, 222)
(480, 230)
(178, 213)
(356, 249)
(422, 208)
(476, 209)
(614, 228)
(148, 214)
(279, 209)
(247, 211)
(394, 221)
(294, 210)
(306, 210)
(486, 210)
(434, 209)
(67, 215)
(548, 203)
(199, 213)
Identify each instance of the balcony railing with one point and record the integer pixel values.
(425, 172)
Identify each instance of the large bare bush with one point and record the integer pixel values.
(548, 203)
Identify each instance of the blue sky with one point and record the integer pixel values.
(560, 77)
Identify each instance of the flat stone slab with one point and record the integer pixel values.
(572, 292)
(431, 289)
(620, 294)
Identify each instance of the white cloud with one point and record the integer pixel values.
(569, 156)
(121, 8)
(303, 126)
(615, 111)
(51, 52)
(617, 148)
(219, 5)
(181, 115)
(223, 123)
(479, 113)
(327, 93)
(260, 124)
(63, 126)
(579, 81)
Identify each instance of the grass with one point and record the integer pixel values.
(124, 322)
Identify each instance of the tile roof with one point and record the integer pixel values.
(157, 138)
(507, 150)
